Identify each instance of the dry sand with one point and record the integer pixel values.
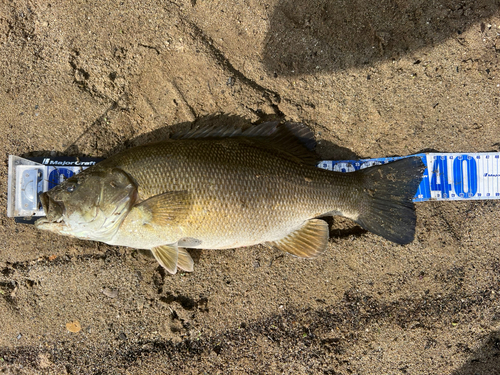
(371, 79)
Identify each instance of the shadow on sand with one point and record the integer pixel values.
(486, 360)
(330, 35)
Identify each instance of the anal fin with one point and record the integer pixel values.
(309, 241)
(184, 260)
(167, 256)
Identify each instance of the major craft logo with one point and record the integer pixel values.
(77, 163)
(491, 175)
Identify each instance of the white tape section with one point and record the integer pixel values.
(28, 178)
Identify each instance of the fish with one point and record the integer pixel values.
(229, 187)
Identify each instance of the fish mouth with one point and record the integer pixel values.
(54, 210)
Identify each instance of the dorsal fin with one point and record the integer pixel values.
(291, 139)
(210, 132)
(287, 134)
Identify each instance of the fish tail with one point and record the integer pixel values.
(387, 207)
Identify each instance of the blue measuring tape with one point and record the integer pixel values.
(448, 176)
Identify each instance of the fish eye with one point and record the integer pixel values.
(70, 188)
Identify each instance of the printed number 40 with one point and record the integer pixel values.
(464, 177)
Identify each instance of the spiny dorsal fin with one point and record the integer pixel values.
(287, 133)
(210, 132)
(292, 140)
(167, 208)
(309, 241)
(184, 260)
(167, 256)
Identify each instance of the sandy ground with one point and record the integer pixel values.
(371, 79)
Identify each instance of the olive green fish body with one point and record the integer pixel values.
(227, 188)
(240, 195)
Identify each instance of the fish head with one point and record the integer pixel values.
(90, 205)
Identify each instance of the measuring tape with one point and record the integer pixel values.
(448, 176)
(28, 178)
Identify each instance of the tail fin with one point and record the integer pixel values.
(387, 208)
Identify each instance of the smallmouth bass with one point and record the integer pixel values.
(221, 188)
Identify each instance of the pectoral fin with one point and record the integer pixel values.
(167, 256)
(309, 241)
(166, 209)
(184, 260)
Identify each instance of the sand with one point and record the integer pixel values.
(371, 79)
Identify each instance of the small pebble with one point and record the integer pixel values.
(74, 326)
(111, 293)
(140, 305)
